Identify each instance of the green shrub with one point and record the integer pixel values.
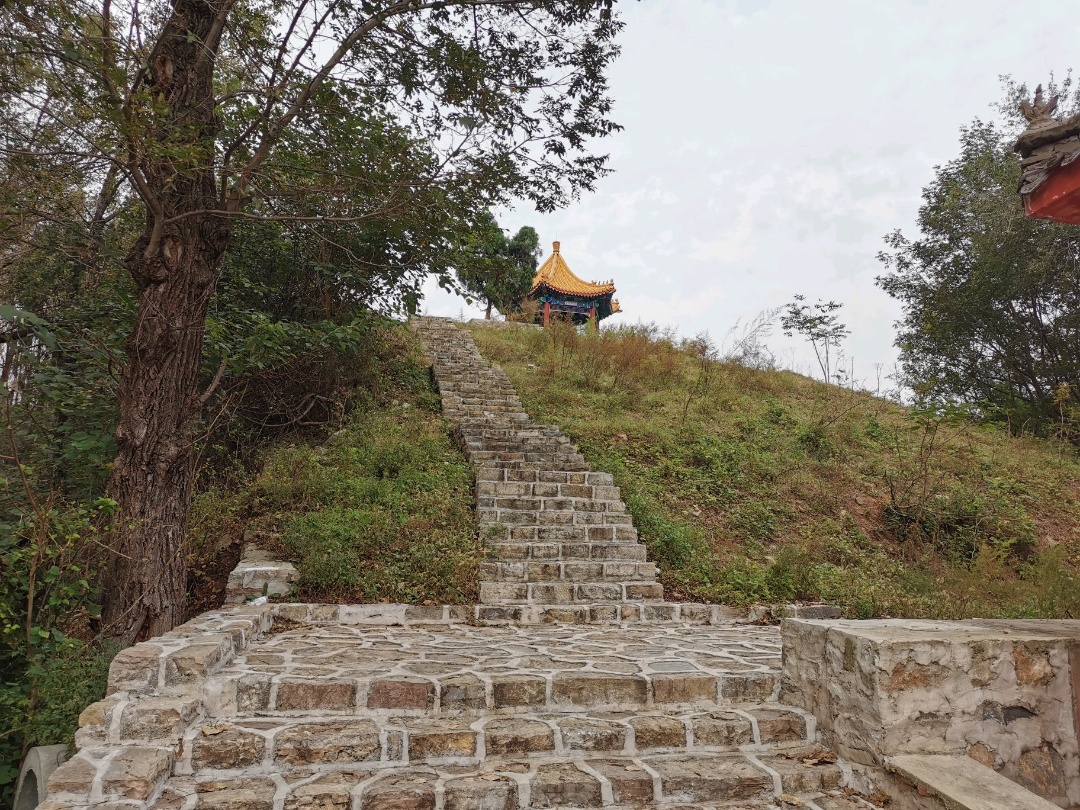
(755, 520)
(64, 683)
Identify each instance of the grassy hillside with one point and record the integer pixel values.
(754, 486)
(382, 510)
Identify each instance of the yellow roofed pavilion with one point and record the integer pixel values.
(560, 293)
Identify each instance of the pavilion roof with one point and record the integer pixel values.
(555, 274)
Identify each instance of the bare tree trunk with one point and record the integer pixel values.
(488, 313)
(174, 264)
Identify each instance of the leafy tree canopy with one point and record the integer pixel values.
(142, 137)
(495, 268)
(991, 298)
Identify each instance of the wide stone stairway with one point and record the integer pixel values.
(574, 685)
(287, 707)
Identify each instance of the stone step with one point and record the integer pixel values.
(494, 396)
(535, 466)
(569, 593)
(282, 743)
(492, 399)
(537, 489)
(492, 474)
(547, 534)
(499, 458)
(659, 781)
(484, 405)
(599, 613)
(516, 437)
(266, 694)
(482, 409)
(493, 415)
(539, 550)
(470, 383)
(551, 571)
(507, 421)
(535, 504)
(551, 517)
(458, 375)
(536, 431)
(523, 444)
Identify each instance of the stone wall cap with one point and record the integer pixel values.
(914, 630)
(963, 784)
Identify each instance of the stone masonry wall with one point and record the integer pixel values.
(1004, 693)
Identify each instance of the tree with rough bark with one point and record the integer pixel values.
(191, 108)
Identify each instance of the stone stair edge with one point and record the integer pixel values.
(740, 779)
(403, 614)
(227, 743)
(190, 653)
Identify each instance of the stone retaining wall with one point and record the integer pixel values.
(1005, 693)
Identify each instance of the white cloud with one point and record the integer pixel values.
(738, 242)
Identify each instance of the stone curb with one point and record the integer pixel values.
(258, 574)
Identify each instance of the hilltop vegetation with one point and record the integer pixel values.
(758, 485)
(747, 485)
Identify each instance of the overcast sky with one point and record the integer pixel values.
(769, 145)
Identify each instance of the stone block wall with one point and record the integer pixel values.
(1006, 694)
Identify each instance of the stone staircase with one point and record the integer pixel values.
(562, 540)
(324, 707)
(500, 718)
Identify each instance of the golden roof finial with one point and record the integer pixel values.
(555, 246)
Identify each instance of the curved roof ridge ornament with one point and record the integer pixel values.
(1037, 109)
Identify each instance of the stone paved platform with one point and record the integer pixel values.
(508, 667)
(267, 709)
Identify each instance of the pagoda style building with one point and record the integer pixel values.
(560, 294)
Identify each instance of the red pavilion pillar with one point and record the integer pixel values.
(547, 313)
